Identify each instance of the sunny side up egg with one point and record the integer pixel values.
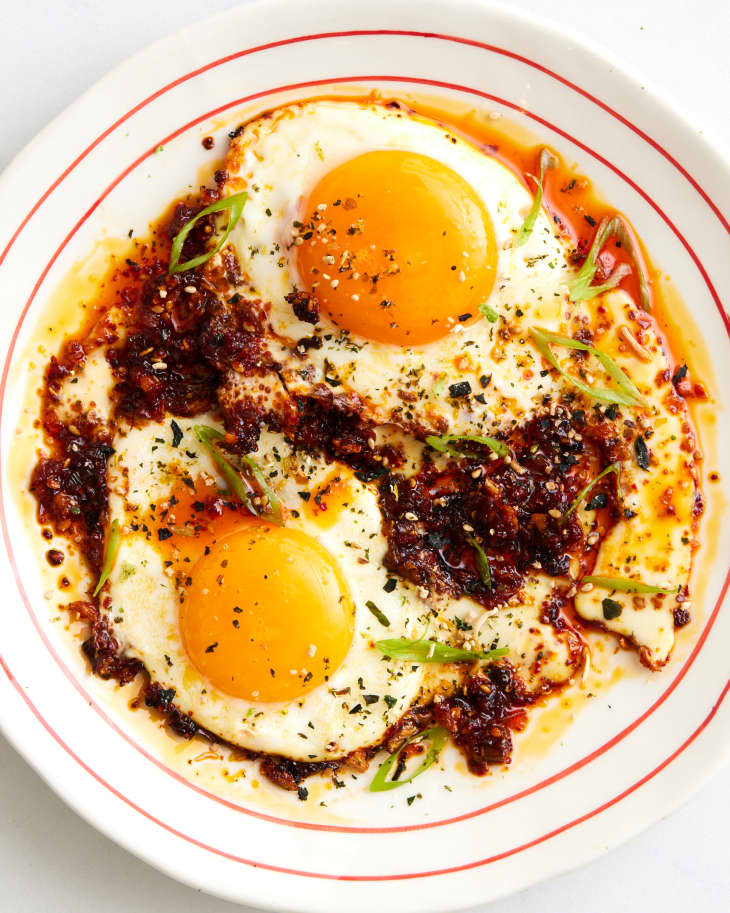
(264, 631)
(404, 233)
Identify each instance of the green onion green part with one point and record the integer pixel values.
(547, 160)
(234, 204)
(623, 585)
(429, 651)
(208, 437)
(437, 735)
(482, 562)
(627, 393)
(266, 489)
(614, 467)
(443, 443)
(612, 226)
(110, 554)
(488, 311)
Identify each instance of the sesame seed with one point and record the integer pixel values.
(555, 514)
(190, 289)
(410, 516)
(163, 293)
(586, 588)
(467, 528)
(159, 366)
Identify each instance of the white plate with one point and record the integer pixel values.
(625, 762)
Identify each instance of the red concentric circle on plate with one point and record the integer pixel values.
(354, 79)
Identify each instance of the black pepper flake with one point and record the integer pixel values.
(370, 474)
(464, 317)
(611, 608)
(371, 698)
(642, 453)
(304, 495)
(356, 709)
(612, 412)
(629, 514)
(303, 793)
(390, 584)
(590, 220)
(479, 397)
(485, 380)
(177, 434)
(462, 388)
(164, 533)
(598, 501)
(679, 374)
(211, 647)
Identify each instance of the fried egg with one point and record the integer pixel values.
(403, 231)
(264, 631)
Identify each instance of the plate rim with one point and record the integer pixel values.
(534, 23)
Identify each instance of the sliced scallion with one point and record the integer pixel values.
(482, 562)
(612, 226)
(437, 735)
(627, 394)
(110, 554)
(614, 467)
(430, 651)
(547, 160)
(444, 442)
(624, 585)
(209, 437)
(488, 311)
(234, 204)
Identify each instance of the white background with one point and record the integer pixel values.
(50, 860)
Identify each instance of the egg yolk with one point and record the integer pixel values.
(267, 616)
(396, 247)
